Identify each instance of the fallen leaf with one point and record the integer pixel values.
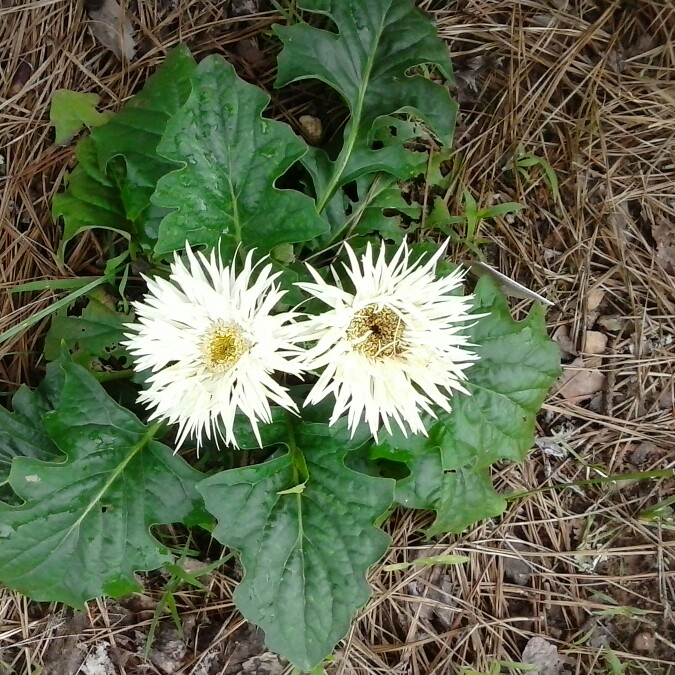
(436, 589)
(551, 447)
(266, 663)
(664, 235)
(169, 651)
(595, 342)
(644, 453)
(66, 651)
(21, 76)
(98, 661)
(580, 380)
(612, 323)
(566, 344)
(666, 400)
(249, 50)
(593, 299)
(469, 70)
(517, 569)
(243, 7)
(112, 28)
(644, 642)
(544, 655)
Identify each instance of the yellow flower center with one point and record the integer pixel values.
(223, 346)
(377, 332)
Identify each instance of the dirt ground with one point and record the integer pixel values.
(578, 576)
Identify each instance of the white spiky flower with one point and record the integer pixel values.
(394, 346)
(212, 344)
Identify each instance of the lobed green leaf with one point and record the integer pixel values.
(97, 332)
(449, 469)
(368, 62)
(22, 432)
(136, 130)
(71, 110)
(83, 529)
(460, 496)
(118, 165)
(91, 199)
(306, 541)
(232, 157)
(517, 366)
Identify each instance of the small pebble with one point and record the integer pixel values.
(644, 642)
(312, 129)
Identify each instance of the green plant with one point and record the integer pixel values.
(440, 218)
(190, 162)
(524, 161)
(499, 667)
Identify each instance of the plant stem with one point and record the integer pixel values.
(112, 375)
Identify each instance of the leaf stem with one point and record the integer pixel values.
(348, 147)
(300, 470)
(345, 153)
(112, 375)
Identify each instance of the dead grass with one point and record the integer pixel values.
(589, 87)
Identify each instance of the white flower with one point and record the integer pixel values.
(392, 347)
(212, 343)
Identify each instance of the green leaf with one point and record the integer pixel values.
(22, 432)
(98, 332)
(116, 196)
(135, 131)
(83, 529)
(439, 218)
(91, 199)
(232, 157)
(381, 207)
(518, 364)
(272, 433)
(52, 285)
(72, 110)
(501, 209)
(305, 553)
(460, 497)
(109, 273)
(449, 468)
(368, 62)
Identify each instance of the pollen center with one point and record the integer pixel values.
(223, 346)
(377, 332)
